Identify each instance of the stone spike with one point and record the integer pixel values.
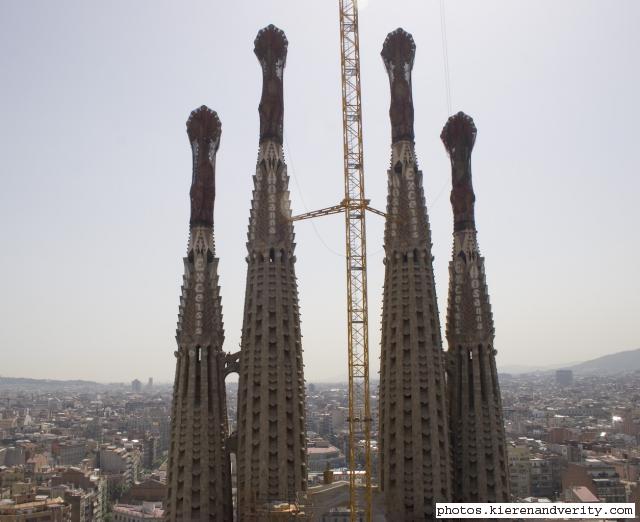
(480, 467)
(199, 469)
(271, 426)
(414, 441)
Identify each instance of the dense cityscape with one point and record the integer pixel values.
(436, 425)
(84, 451)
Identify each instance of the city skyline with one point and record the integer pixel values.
(95, 173)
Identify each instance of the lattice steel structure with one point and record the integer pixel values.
(480, 466)
(356, 247)
(199, 472)
(415, 464)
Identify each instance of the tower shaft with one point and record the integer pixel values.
(271, 427)
(414, 441)
(199, 473)
(476, 420)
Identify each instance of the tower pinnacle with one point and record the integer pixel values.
(398, 52)
(203, 129)
(459, 136)
(271, 50)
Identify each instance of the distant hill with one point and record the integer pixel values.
(620, 362)
(24, 383)
(516, 369)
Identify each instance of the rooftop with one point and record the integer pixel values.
(584, 495)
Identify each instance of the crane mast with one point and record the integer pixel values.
(355, 206)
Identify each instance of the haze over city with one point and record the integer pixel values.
(96, 168)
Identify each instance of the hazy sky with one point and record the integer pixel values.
(95, 167)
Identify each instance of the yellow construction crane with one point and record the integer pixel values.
(354, 205)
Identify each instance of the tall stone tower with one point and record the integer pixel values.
(475, 408)
(271, 426)
(199, 474)
(414, 439)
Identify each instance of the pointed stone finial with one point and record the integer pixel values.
(398, 53)
(204, 130)
(270, 47)
(459, 136)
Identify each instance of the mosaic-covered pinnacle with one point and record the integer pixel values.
(204, 130)
(459, 136)
(459, 131)
(271, 50)
(398, 53)
(271, 44)
(398, 48)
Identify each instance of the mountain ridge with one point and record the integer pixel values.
(619, 362)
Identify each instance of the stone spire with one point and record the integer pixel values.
(271, 426)
(480, 472)
(414, 439)
(199, 474)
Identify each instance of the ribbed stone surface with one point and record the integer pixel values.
(480, 467)
(271, 434)
(199, 473)
(414, 440)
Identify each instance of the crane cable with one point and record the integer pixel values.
(447, 85)
(306, 208)
(304, 203)
(445, 56)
